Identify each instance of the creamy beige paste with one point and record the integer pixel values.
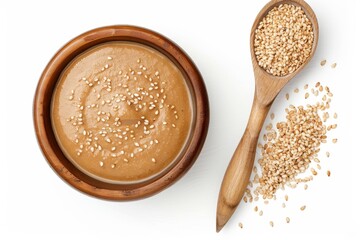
(122, 111)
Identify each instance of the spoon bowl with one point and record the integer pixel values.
(267, 87)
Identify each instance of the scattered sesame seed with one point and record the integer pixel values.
(323, 62)
(260, 213)
(287, 219)
(241, 225)
(302, 208)
(271, 223)
(333, 65)
(101, 163)
(328, 173)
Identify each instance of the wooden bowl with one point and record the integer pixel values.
(44, 131)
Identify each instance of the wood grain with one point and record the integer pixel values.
(267, 88)
(42, 119)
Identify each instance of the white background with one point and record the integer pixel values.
(35, 203)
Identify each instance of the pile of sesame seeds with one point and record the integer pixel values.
(283, 40)
(138, 90)
(290, 155)
(289, 149)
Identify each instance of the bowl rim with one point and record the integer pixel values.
(44, 132)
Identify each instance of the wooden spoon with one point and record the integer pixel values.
(267, 88)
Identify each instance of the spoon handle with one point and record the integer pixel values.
(239, 170)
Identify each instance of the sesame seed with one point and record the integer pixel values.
(323, 62)
(260, 213)
(313, 171)
(271, 223)
(153, 160)
(328, 173)
(302, 208)
(109, 58)
(333, 65)
(287, 219)
(318, 166)
(101, 163)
